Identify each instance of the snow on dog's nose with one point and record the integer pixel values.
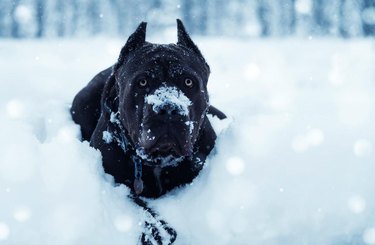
(169, 100)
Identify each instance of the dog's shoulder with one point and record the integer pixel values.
(86, 108)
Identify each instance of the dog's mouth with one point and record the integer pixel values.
(163, 155)
(165, 143)
(164, 146)
(168, 144)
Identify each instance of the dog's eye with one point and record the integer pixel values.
(142, 83)
(189, 83)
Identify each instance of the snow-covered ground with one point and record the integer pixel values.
(294, 164)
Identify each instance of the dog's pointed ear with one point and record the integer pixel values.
(135, 41)
(184, 39)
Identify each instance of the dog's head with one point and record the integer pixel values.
(161, 94)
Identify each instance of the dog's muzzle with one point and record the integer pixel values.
(165, 133)
(166, 128)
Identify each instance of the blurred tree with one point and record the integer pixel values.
(40, 17)
(187, 15)
(342, 27)
(350, 18)
(15, 28)
(288, 17)
(202, 18)
(322, 23)
(218, 16)
(195, 16)
(3, 12)
(94, 16)
(264, 15)
(74, 17)
(119, 9)
(61, 22)
(368, 17)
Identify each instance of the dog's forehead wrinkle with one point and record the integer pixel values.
(157, 54)
(168, 60)
(159, 51)
(175, 69)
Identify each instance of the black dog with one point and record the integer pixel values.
(147, 114)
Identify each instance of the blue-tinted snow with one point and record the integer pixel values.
(294, 164)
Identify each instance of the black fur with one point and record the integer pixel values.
(114, 104)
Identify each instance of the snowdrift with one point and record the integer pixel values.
(294, 163)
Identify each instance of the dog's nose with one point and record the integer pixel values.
(168, 110)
